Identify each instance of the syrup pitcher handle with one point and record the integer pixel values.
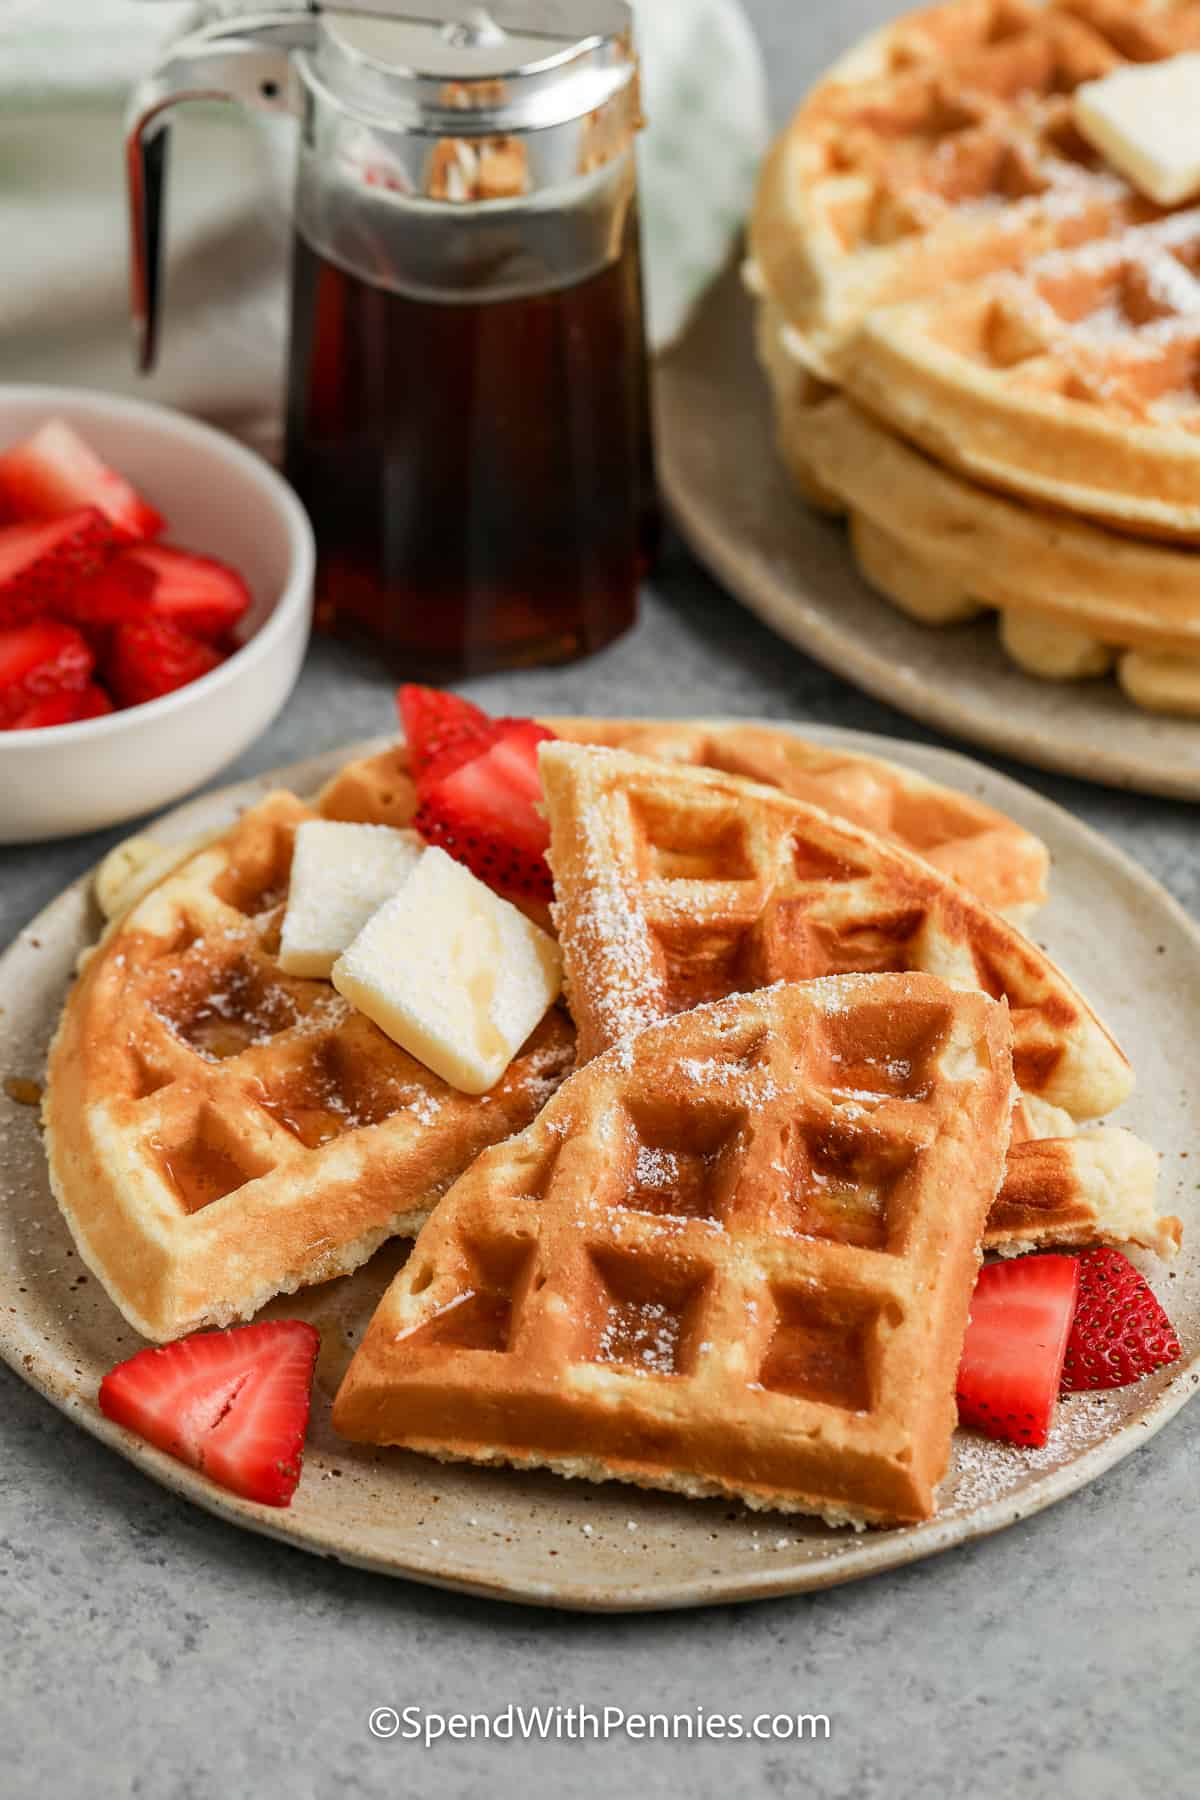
(247, 61)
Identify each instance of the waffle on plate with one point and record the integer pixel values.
(934, 237)
(732, 1256)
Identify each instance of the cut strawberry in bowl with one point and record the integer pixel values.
(486, 811)
(1120, 1332)
(122, 590)
(151, 657)
(188, 706)
(44, 563)
(233, 1404)
(198, 594)
(1013, 1351)
(56, 471)
(38, 662)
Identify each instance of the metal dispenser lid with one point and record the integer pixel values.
(496, 102)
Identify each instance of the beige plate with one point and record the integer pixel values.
(792, 566)
(535, 1538)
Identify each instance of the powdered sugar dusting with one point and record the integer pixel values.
(984, 1471)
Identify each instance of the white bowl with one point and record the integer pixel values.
(222, 500)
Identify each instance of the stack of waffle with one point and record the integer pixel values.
(984, 344)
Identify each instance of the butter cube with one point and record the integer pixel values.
(341, 874)
(1145, 118)
(455, 975)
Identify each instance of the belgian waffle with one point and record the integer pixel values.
(734, 1255)
(933, 236)
(677, 889)
(943, 149)
(219, 1132)
(1073, 598)
(1002, 863)
(1072, 382)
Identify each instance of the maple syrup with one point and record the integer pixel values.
(478, 473)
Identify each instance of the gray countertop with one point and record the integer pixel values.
(152, 1651)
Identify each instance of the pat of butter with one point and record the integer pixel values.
(455, 975)
(341, 874)
(1145, 119)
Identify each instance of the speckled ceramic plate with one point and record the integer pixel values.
(535, 1538)
(792, 566)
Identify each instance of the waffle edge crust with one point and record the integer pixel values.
(628, 1290)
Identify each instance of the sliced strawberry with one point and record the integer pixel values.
(150, 657)
(485, 813)
(54, 472)
(122, 590)
(1013, 1352)
(52, 709)
(1120, 1332)
(233, 1404)
(39, 661)
(93, 703)
(42, 563)
(198, 594)
(435, 720)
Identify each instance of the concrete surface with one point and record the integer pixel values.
(150, 1651)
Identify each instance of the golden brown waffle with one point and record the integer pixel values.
(1002, 863)
(1097, 1187)
(1072, 382)
(943, 149)
(1073, 597)
(732, 1256)
(676, 887)
(673, 891)
(219, 1132)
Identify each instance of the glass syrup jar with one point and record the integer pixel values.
(468, 417)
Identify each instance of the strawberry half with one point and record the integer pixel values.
(485, 812)
(41, 564)
(233, 1404)
(55, 471)
(197, 594)
(151, 657)
(93, 703)
(38, 662)
(1120, 1332)
(1013, 1351)
(122, 590)
(436, 721)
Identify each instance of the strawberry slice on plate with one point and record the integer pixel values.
(42, 563)
(151, 657)
(55, 471)
(1120, 1331)
(437, 722)
(485, 812)
(38, 662)
(1016, 1340)
(233, 1404)
(198, 594)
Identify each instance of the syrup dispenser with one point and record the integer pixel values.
(467, 413)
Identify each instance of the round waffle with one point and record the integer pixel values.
(933, 236)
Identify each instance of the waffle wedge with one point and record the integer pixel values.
(992, 855)
(219, 1132)
(733, 1256)
(679, 887)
